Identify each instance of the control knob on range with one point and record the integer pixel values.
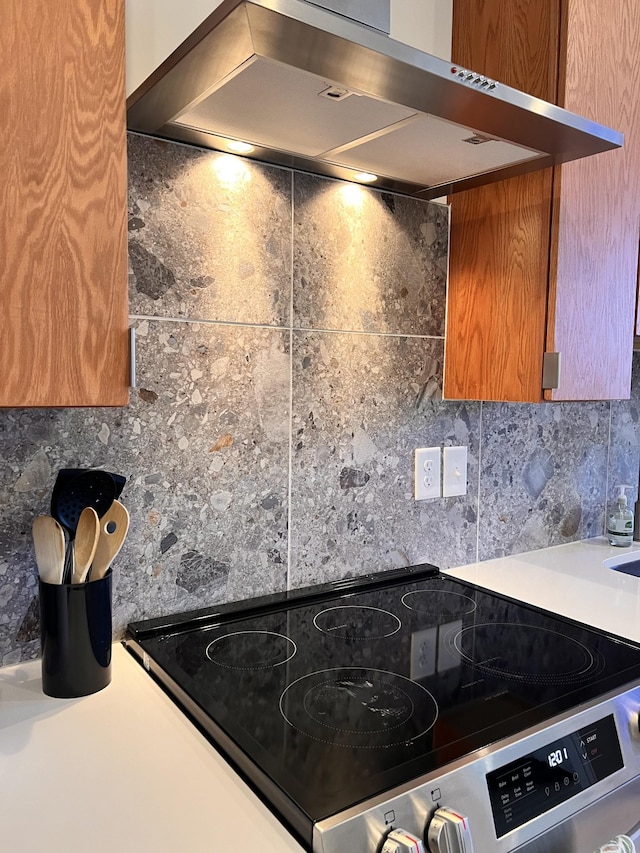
(448, 832)
(400, 841)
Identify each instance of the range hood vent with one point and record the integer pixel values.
(314, 91)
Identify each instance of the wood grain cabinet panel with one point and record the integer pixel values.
(548, 261)
(63, 261)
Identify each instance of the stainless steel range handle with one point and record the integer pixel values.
(449, 832)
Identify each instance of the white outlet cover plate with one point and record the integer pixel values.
(454, 477)
(427, 473)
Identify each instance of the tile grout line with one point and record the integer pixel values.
(479, 480)
(290, 471)
(288, 328)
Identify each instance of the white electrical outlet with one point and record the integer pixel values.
(427, 473)
(454, 478)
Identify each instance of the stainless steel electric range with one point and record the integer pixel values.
(409, 711)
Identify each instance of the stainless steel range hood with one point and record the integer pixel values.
(314, 91)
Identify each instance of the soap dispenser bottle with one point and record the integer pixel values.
(620, 526)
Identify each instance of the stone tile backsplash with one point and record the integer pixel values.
(361, 404)
(366, 262)
(290, 352)
(543, 475)
(209, 236)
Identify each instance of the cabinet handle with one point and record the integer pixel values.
(132, 357)
(550, 370)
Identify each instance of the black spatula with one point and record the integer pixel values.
(70, 496)
(65, 475)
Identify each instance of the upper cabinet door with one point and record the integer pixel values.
(596, 207)
(548, 262)
(63, 263)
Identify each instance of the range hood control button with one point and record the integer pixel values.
(400, 841)
(449, 832)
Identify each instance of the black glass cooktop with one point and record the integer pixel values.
(328, 696)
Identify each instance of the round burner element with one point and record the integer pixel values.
(359, 708)
(527, 653)
(251, 650)
(351, 622)
(440, 604)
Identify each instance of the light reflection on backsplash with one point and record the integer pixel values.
(233, 173)
(290, 351)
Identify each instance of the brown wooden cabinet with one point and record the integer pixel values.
(548, 262)
(63, 261)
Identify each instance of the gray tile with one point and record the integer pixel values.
(543, 475)
(204, 446)
(29, 446)
(367, 261)
(210, 447)
(209, 235)
(361, 405)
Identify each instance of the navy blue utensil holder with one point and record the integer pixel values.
(75, 637)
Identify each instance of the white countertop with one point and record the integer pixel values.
(120, 771)
(568, 579)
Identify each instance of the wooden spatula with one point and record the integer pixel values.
(114, 525)
(86, 542)
(48, 541)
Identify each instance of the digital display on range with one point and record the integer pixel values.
(537, 782)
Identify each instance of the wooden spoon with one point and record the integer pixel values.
(86, 542)
(48, 541)
(114, 525)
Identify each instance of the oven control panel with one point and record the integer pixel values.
(577, 779)
(526, 788)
